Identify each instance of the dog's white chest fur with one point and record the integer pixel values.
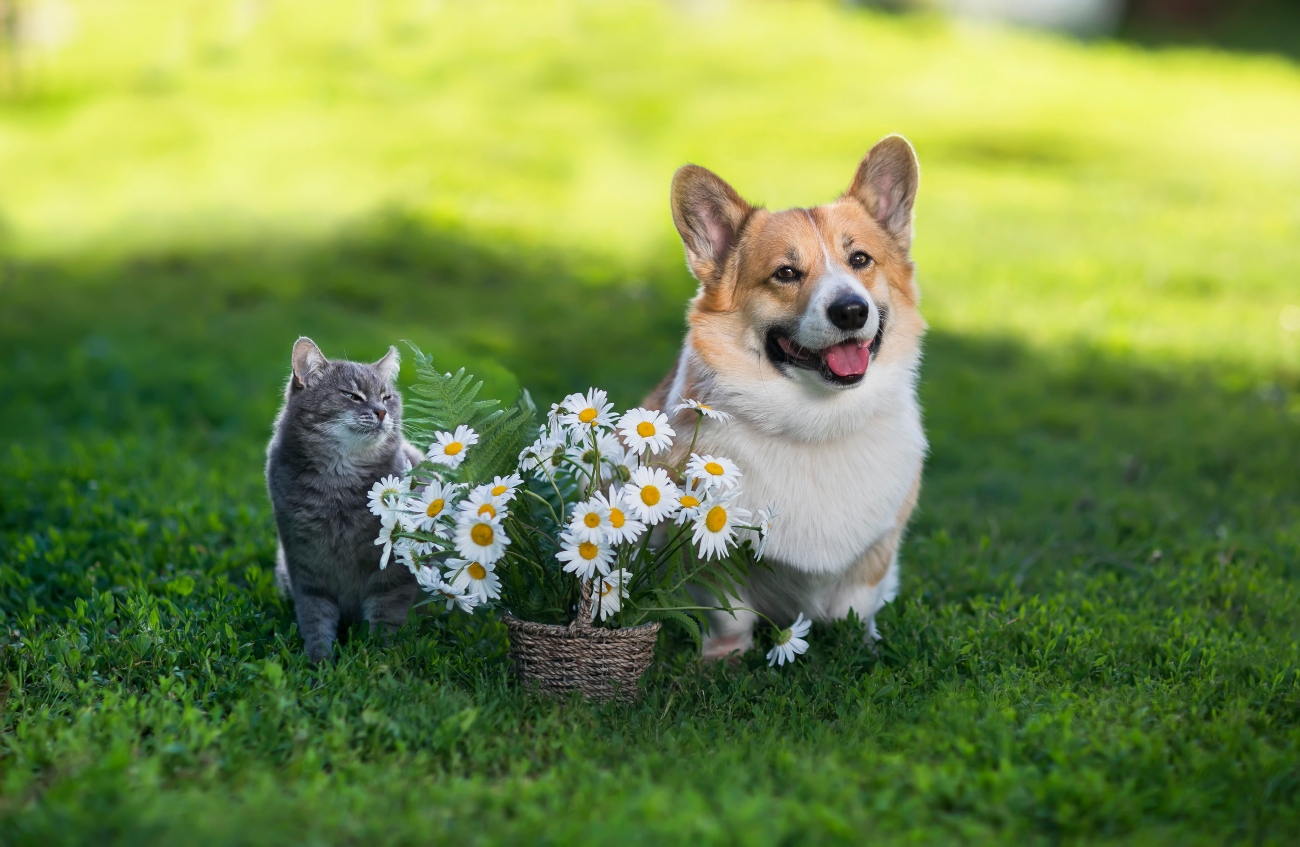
(835, 498)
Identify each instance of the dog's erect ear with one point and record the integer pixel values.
(708, 214)
(307, 360)
(886, 184)
(389, 365)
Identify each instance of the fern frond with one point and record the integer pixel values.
(443, 401)
(502, 437)
(686, 622)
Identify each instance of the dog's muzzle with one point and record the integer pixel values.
(843, 364)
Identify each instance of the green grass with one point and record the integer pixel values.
(1096, 636)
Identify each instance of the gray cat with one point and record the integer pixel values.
(339, 432)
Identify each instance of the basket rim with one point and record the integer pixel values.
(551, 630)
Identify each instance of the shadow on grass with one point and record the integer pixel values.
(1057, 456)
(1249, 26)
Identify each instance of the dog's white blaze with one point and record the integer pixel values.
(815, 330)
(835, 498)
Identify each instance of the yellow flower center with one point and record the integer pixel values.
(645, 429)
(435, 508)
(592, 520)
(453, 448)
(499, 490)
(649, 495)
(588, 551)
(482, 534)
(702, 406)
(587, 415)
(715, 469)
(689, 502)
(716, 519)
(616, 518)
(487, 509)
(477, 571)
(606, 588)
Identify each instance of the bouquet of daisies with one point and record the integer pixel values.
(579, 514)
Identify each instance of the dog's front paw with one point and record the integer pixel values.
(727, 646)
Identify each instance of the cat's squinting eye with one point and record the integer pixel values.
(355, 398)
(387, 397)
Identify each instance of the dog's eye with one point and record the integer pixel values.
(785, 273)
(859, 259)
(355, 398)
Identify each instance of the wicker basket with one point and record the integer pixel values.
(604, 664)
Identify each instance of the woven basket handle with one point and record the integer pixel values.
(583, 619)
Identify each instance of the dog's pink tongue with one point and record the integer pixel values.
(848, 359)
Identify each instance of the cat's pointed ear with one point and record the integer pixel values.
(709, 215)
(886, 184)
(307, 361)
(389, 365)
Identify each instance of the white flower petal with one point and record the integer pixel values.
(643, 429)
(651, 495)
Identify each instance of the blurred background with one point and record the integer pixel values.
(1107, 226)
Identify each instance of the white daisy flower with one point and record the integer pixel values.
(608, 593)
(386, 496)
(584, 558)
(715, 526)
(590, 521)
(644, 430)
(583, 412)
(482, 503)
(428, 511)
(410, 552)
(448, 448)
(557, 411)
(651, 495)
(701, 409)
(790, 642)
(431, 580)
(605, 451)
(387, 526)
(715, 472)
(480, 538)
(506, 487)
(607, 457)
(765, 517)
(474, 578)
(692, 496)
(623, 528)
(546, 454)
(619, 463)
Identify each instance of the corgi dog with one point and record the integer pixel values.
(806, 331)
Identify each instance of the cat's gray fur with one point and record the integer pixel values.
(339, 431)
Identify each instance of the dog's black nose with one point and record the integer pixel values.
(849, 312)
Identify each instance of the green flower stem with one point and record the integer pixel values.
(555, 485)
(544, 502)
(699, 421)
(731, 611)
(595, 475)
